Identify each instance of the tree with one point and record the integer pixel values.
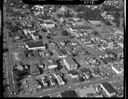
(65, 33)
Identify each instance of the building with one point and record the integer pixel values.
(108, 89)
(69, 63)
(116, 68)
(35, 45)
(47, 24)
(59, 79)
(95, 22)
(59, 54)
(73, 74)
(52, 66)
(43, 81)
(69, 93)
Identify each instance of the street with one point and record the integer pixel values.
(66, 87)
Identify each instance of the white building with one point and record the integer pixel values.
(116, 68)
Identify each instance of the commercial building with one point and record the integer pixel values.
(69, 63)
(108, 89)
(35, 45)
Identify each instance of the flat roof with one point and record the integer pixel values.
(32, 44)
(70, 93)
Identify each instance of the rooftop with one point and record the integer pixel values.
(69, 93)
(32, 44)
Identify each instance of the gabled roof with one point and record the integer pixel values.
(108, 87)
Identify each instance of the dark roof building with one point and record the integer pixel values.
(69, 93)
(108, 89)
(35, 45)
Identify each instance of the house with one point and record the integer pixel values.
(107, 88)
(69, 63)
(35, 45)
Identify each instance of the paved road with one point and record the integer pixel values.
(67, 87)
(9, 65)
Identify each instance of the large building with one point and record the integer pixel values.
(70, 63)
(35, 45)
(108, 89)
